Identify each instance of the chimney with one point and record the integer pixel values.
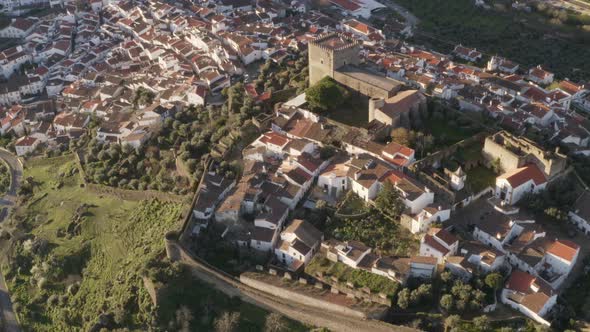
(356, 175)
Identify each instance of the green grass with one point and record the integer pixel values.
(444, 133)
(117, 241)
(480, 178)
(360, 278)
(374, 230)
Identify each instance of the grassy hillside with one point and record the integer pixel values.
(527, 38)
(78, 258)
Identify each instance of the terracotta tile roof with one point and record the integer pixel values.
(570, 87)
(534, 291)
(394, 148)
(274, 138)
(521, 175)
(565, 249)
(346, 4)
(446, 237)
(401, 102)
(26, 141)
(423, 260)
(431, 242)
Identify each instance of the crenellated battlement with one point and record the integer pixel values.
(334, 42)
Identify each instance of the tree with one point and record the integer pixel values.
(326, 94)
(446, 276)
(327, 151)
(183, 319)
(497, 165)
(403, 298)
(481, 323)
(452, 322)
(494, 281)
(447, 302)
(388, 201)
(227, 322)
(556, 214)
(274, 323)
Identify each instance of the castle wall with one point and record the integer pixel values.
(360, 86)
(320, 63)
(492, 151)
(549, 162)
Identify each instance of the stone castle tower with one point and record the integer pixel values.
(330, 52)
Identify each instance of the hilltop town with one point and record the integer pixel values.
(317, 158)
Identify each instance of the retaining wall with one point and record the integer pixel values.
(303, 299)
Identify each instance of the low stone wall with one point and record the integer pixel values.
(297, 310)
(287, 294)
(351, 291)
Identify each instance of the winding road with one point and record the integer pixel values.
(9, 321)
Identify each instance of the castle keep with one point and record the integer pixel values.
(337, 56)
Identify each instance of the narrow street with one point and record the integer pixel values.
(9, 320)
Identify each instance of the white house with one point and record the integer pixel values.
(274, 142)
(397, 154)
(274, 215)
(26, 144)
(420, 223)
(580, 215)
(540, 76)
(485, 258)
(299, 242)
(213, 189)
(422, 267)
(415, 196)
(513, 185)
(350, 253)
(334, 179)
(530, 295)
(497, 232)
(468, 54)
(366, 176)
(439, 243)
(264, 239)
(560, 258)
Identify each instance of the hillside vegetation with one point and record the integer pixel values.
(77, 260)
(526, 38)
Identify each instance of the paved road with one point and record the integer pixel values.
(9, 321)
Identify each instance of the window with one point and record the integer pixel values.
(322, 61)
